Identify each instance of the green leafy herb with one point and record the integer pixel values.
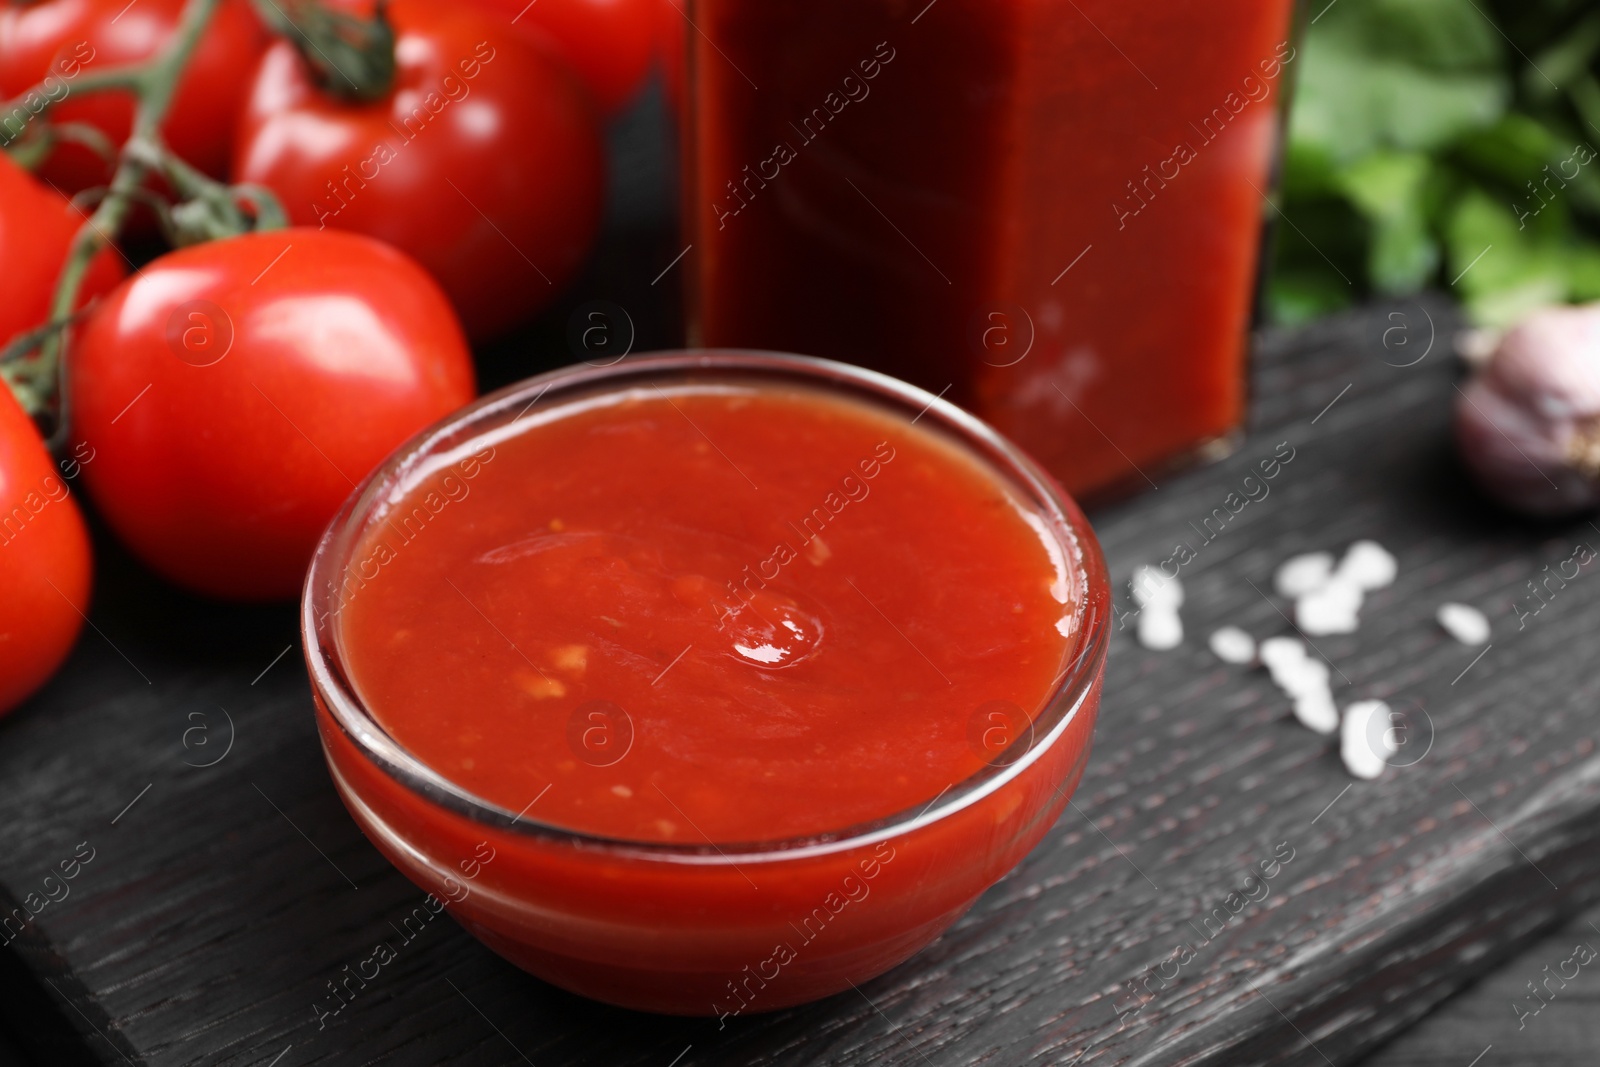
(1447, 143)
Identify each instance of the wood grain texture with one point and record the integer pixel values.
(219, 904)
(1496, 1022)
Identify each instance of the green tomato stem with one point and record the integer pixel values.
(351, 58)
(35, 380)
(155, 82)
(127, 78)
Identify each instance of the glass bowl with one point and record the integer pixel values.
(719, 928)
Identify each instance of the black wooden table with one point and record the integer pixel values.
(1495, 1023)
(224, 884)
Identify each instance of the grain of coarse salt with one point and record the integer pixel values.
(1307, 675)
(1299, 575)
(1233, 645)
(1464, 622)
(1327, 598)
(1149, 586)
(1367, 565)
(1159, 598)
(1280, 654)
(1330, 609)
(1305, 680)
(1365, 739)
(1160, 628)
(1316, 711)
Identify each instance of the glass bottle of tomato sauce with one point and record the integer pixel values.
(1049, 211)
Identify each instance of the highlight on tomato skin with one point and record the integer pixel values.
(44, 560)
(66, 39)
(485, 160)
(234, 392)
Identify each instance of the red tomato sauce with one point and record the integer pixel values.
(706, 613)
(1051, 210)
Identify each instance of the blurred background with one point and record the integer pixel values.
(1423, 132)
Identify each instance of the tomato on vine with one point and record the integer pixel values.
(44, 560)
(36, 228)
(62, 45)
(610, 43)
(234, 392)
(482, 157)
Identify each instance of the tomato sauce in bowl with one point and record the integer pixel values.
(749, 673)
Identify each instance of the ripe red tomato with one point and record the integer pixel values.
(36, 228)
(610, 43)
(484, 162)
(61, 39)
(235, 392)
(44, 560)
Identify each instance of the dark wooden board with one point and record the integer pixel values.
(219, 904)
(1495, 1022)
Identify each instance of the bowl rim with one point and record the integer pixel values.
(1067, 697)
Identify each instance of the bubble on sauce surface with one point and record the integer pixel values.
(770, 630)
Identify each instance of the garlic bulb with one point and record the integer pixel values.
(1528, 425)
